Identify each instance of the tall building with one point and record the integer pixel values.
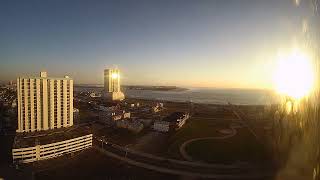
(112, 80)
(44, 103)
(112, 84)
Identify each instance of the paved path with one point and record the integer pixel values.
(251, 174)
(186, 156)
(184, 153)
(241, 116)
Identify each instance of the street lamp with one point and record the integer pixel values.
(102, 141)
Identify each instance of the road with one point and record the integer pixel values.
(186, 143)
(243, 118)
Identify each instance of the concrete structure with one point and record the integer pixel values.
(44, 103)
(181, 120)
(46, 151)
(172, 122)
(120, 115)
(112, 84)
(94, 95)
(126, 115)
(157, 108)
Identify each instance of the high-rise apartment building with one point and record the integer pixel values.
(44, 103)
(112, 84)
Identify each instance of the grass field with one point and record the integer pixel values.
(195, 128)
(241, 147)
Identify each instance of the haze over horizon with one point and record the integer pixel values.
(229, 44)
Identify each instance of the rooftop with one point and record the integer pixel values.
(37, 77)
(44, 75)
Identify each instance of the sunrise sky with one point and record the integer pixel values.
(213, 43)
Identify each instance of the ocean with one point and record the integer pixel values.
(205, 95)
(210, 96)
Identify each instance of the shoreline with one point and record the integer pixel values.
(138, 87)
(196, 103)
(207, 97)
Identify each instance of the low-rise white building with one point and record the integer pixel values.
(47, 151)
(94, 95)
(158, 107)
(120, 115)
(172, 122)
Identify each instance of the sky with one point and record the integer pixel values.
(205, 43)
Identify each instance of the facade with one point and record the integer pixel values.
(118, 115)
(94, 95)
(157, 108)
(112, 80)
(112, 84)
(47, 151)
(44, 103)
(172, 122)
(182, 120)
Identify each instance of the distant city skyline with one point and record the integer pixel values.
(223, 44)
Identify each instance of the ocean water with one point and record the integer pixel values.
(203, 95)
(210, 96)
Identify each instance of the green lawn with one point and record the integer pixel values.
(195, 128)
(241, 147)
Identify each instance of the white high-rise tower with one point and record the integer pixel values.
(44, 103)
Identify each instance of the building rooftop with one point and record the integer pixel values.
(23, 140)
(44, 75)
(37, 77)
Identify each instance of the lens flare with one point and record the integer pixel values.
(294, 75)
(114, 75)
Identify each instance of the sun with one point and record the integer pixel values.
(294, 74)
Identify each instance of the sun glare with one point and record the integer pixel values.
(114, 75)
(294, 75)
